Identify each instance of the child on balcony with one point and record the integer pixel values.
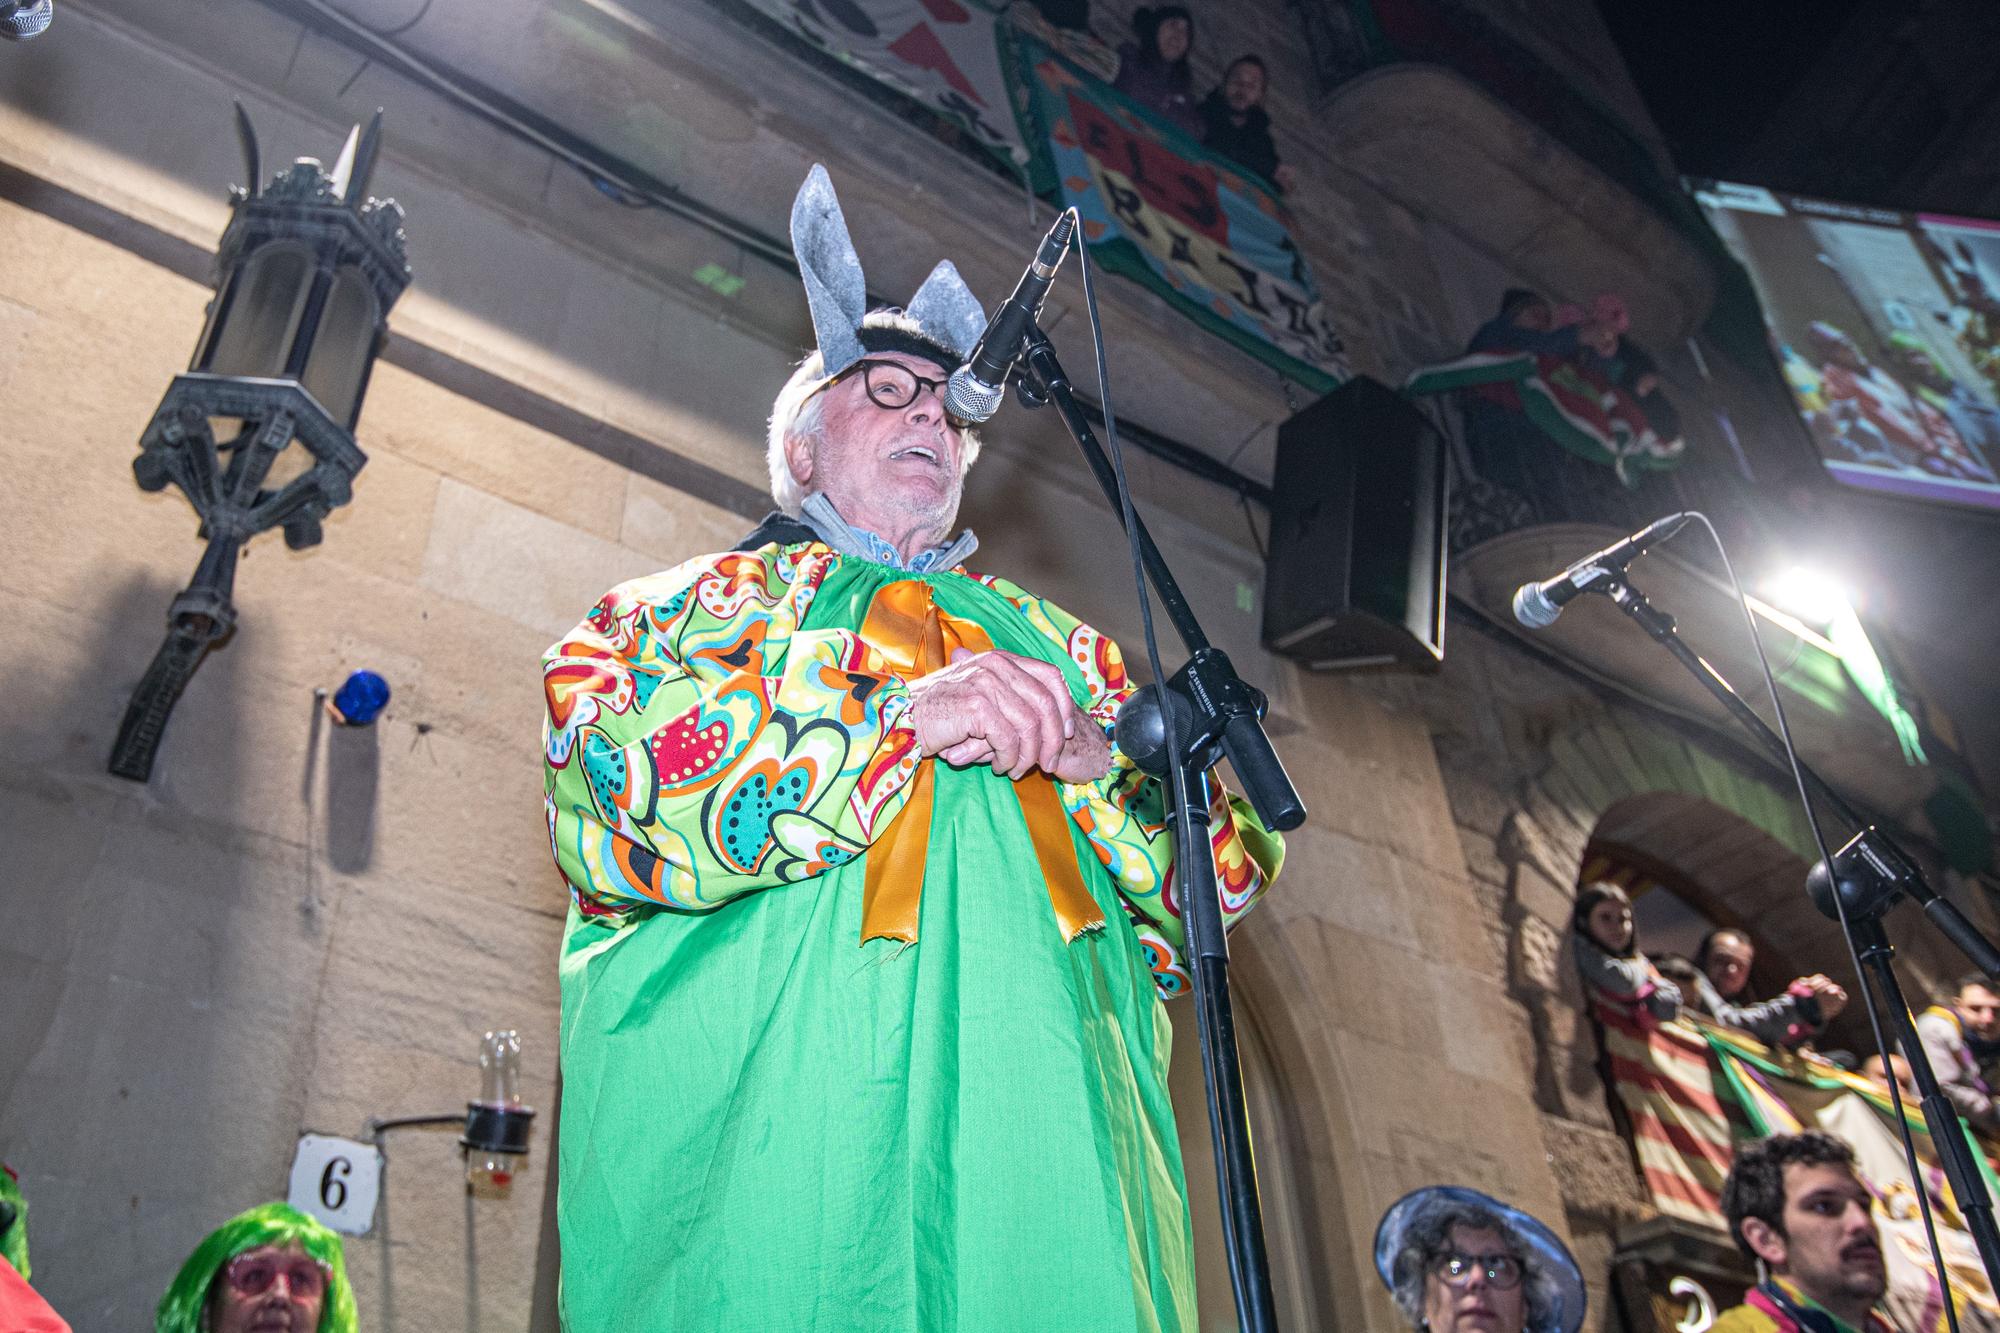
(1154, 71)
(1616, 976)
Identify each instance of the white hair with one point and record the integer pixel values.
(798, 413)
(1426, 1238)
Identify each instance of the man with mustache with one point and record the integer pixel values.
(861, 1022)
(1795, 1206)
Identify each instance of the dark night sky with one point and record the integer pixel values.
(1712, 71)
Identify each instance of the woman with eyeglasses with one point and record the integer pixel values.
(1457, 1261)
(271, 1269)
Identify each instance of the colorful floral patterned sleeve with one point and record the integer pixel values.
(699, 745)
(1124, 813)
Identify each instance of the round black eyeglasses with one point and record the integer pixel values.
(1502, 1271)
(890, 384)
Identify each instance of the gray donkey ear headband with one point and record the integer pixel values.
(942, 322)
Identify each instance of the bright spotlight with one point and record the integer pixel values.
(1812, 597)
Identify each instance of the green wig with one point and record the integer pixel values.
(184, 1308)
(13, 1222)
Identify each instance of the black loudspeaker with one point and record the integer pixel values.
(1355, 577)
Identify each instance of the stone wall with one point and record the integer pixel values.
(291, 927)
(295, 928)
(1537, 763)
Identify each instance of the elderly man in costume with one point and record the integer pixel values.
(861, 1024)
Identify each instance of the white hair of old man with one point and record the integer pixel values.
(797, 414)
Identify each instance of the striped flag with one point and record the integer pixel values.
(1681, 1133)
(1692, 1091)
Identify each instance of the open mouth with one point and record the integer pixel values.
(923, 451)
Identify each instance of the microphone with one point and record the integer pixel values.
(1537, 605)
(974, 391)
(22, 19)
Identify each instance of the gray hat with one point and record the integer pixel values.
(1551, 1268)
(942, 321)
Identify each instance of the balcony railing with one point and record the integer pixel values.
(1509, 477)
(1350, 37)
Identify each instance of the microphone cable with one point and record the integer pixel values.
(1177, 778)
(1869, 1001)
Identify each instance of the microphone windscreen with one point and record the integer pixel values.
(19, 22)
(968, 399)
(1533, 608)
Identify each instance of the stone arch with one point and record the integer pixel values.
(1594, 770)
(1598, 770)
(1302, 1131)
(1595, 766)
(1730, 871)
(1663, 795)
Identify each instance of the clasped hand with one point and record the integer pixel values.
(1831, 995)
(1012, 713)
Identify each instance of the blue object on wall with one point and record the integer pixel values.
(361, 698)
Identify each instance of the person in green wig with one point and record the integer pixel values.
(22, 1309)
(13, 1222)
(270, 1269)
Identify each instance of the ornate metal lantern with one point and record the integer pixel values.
(305, 275)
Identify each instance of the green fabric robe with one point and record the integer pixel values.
(770, 1125)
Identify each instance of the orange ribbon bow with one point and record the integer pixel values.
(913, 637)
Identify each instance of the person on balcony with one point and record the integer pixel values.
(1873, 1068)
(1797, 1210)
(1722, 992)
(1613, 355)
(1962, 1039)
(1153, 70)
(1458, 1261)
(1235, 124)
(1616, 976)
(1526, 322)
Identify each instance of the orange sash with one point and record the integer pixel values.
(904, 625)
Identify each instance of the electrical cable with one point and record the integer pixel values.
(621, 183)
(1117, 452)
(1181, 803)
(1869, 1001)
(492, 107)
(1250, 522)
(401, 28)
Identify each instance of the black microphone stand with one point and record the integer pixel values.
(1868, 874)
(1866, 901)
(1214, 714)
